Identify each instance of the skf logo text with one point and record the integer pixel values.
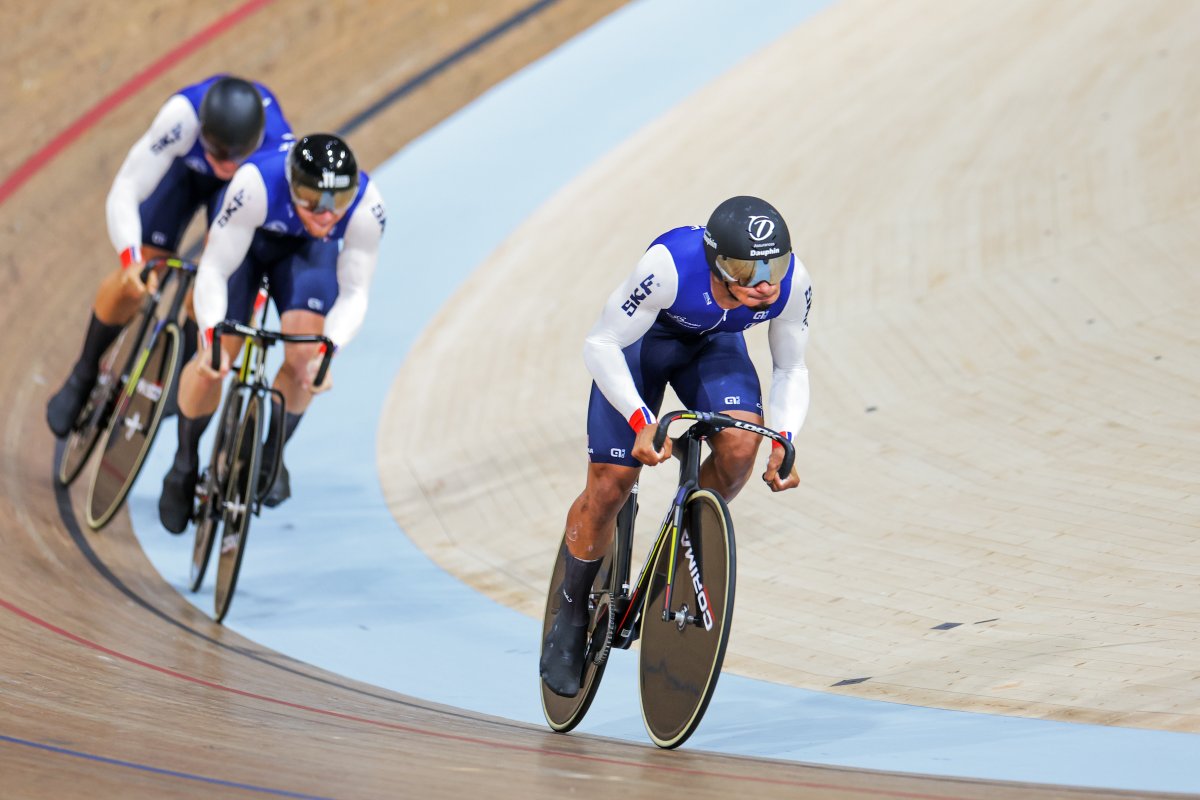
(639, 294)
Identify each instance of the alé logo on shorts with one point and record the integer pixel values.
(697, 584)
(761, 229)
(640, 293)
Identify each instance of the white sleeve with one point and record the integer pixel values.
(243, 211)
(170, 136)
(788, 338)
(629, 312)
(356, 266)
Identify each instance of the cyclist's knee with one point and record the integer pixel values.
(734, 452)
(608, 486)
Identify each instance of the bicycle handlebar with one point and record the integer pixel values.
(720, 422)
(269, 337)
(169, 261)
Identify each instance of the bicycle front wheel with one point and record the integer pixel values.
(132, 427)
(215, 477)
(240, 495)
(681, 656)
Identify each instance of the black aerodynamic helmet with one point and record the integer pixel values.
(232, 119)
(322, 173)
(747, 242)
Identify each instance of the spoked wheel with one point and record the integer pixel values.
(93, 417)
(131, 429)
(213, 488)
(681, 657)
(240, 493)
(564, 713)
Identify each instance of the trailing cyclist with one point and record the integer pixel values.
(311, 221)
(192, 148)
(678, 319)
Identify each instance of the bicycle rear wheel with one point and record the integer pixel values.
(238, 504)
(132, 427)
(681, 657)
(93, 417)
(215, 477)
(564, 713)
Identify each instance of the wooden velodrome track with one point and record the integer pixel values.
(999, 210)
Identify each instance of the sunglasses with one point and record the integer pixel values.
(223, 153)
(318, 200)
(751, 272)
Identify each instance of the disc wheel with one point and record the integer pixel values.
(681, 657)
(213, 488)
(132, 427)
(238, 504)
(564, 713)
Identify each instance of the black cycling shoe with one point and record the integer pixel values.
(280, 490)
(65, 405)
(563, 656)
(177, 499)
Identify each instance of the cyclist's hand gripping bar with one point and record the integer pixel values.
(269, 337)
(719, 422)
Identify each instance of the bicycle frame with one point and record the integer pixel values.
(253, 367)
(688, 449)
(188, 273)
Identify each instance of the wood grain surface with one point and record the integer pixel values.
(999, 206)
(112, 685)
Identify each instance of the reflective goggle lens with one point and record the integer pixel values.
(222, 153)
(318, 200)
(748, 273)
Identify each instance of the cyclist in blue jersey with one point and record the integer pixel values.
(311, 221)
(197, 140)
(678, 320)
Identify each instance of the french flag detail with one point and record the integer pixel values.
(208, 336)
(130, 256)
(787, 434)
(640, 419)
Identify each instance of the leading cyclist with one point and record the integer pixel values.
(192, 148)
(678, 320)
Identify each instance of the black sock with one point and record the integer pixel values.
(272, 445)
(576, 585)
(187, 457)
(190, 336)
(99, 336)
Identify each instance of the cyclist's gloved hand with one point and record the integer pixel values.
(772, 477)
(204, 356)
(643, 446)
(314, 366)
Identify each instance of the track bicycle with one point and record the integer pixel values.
(125, 406)
(681, 606)
(232, 487)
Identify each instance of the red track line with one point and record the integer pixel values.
(500, 745)
(97, 112)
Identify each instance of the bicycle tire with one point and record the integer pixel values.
(564, 713)
(78, 445)
(137, 416)
(238, 500)
(209, 517)
(680, 662)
